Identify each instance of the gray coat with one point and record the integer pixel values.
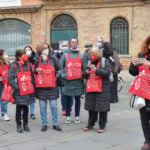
(100, 102)
(49, 93)
(12, 79)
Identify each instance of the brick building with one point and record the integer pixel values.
(27, 22)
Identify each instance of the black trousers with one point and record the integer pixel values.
(93, 117)
(113, 89)
(145, 122)
(19, 110)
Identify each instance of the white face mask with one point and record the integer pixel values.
(5, 56)
(44, 57)
(45, 52)
(28, 53)
(64, 48)
(99, 45)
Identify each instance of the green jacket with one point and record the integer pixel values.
(71, 87)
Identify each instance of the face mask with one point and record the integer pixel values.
(99, 45)
(44, 57)
(25, 58)
(94, 58)
(28, 53)
(45, 52)
(64, 48)
(5, 56)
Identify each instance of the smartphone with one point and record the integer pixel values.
(142, 60)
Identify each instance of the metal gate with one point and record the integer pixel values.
(120, 35)
(14, 34)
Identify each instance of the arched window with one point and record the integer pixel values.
(63, 28)
(120, 35)
(14, 34)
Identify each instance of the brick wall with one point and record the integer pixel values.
(93, 19)
(31, 2)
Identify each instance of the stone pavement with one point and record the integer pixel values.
(123, 131)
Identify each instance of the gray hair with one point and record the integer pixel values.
(96, 52)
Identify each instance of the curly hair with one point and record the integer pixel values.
(145, 45)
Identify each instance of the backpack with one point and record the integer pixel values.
(111, 78)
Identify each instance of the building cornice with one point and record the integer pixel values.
(20, 9)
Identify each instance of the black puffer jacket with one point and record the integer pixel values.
(49, 93)
(100, 102)
(12, 79)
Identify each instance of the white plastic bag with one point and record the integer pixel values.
(137, 102)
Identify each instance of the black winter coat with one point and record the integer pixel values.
(133, 70)
(49, 93)
(100, 102)
(12, 79)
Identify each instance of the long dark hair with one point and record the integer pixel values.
(28, 47)
(1, 53)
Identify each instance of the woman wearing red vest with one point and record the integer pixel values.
(4, 68)
(48, 70)
(134, 70)
(21, 79)
(72, 77)
(97, 97)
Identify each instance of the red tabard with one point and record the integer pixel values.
(94, 82)
(4, 72)
(47, 77)
(73, 67)
(25, 81)
(141, 85)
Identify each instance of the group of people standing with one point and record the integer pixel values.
(42, 75)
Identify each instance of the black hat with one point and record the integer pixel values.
(88, 45)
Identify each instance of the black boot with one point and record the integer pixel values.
(44, 128)
(19, 129)
(26, 128)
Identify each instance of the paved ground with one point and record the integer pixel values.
(123, 131)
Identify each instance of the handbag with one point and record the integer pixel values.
(7, 93)
(137, 102)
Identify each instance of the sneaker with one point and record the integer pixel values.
(32, 116)
(68, 121)
(63, 112)
(5, 117)
(77, 120)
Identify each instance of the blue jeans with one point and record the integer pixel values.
(63, 102)
(3, 103)
(32, 109)
(43, 111)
